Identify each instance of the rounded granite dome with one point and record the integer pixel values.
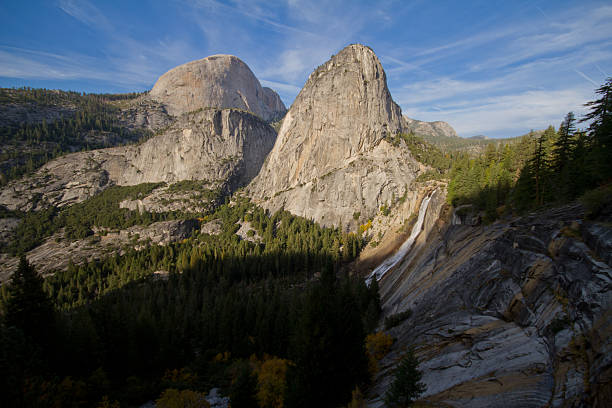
(218, 81)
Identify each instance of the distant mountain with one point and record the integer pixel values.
(478, 137)
(429, 130)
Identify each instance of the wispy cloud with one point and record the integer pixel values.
(508, 115)
(519, 77)
(250, 9)
(86, 13)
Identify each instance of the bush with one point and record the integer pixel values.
(377, 346)
(597, 201)
(395, 319)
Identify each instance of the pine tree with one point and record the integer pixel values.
(406, 385)
(600, 131)
(29, 308)
(565, 143)
(538, 163)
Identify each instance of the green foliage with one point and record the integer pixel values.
(327, 365)
(32, 229)
(6, 213)
(29, 308)
(486, 181)
(597, 201)
(406, 385)
(600, 133)
(223, 296)
(423, 151)
(385, 210)
(78, 220)
(395, 319)
(89, 122)
(551, 168)
(198, 186)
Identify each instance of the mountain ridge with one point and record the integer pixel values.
(331, 158)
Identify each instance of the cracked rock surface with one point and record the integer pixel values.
(515, 314)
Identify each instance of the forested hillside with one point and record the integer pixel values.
(553, 167)
(38, 125)
(217, 311)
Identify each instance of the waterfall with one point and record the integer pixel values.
(393, 260)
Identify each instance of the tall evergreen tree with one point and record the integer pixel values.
(600, 132)
(406, 385)
(29, 308)
(565, 143)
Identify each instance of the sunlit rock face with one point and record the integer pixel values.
(218, 81)
(226, 147)
(513, 314)
(331, 158)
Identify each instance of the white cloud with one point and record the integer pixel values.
(86, 13)
(509, 115)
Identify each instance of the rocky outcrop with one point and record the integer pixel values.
(57, 252)
(331, 158)
(15, 114)
(226, 147)
(274, 104)
(432, 130)
(143, 112)
(219, 81)
(525, 316)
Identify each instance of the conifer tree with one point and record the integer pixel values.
(406, 385)
(29, 308)
(600, 131)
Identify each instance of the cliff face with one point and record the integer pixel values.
(225, 147)
(513, 314)
(330, 158)
(435, 130)
(220, 81)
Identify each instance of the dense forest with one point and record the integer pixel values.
(80, 122)
(550, 168)
(220, 312)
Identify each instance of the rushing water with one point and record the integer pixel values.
(390, 262)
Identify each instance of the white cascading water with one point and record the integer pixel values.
(390, 262)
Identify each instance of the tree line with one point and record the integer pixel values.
(226, 312)
(93, 124)
(554, 167)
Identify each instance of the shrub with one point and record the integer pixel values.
(597, 201)
(395, 319)
(377, 346)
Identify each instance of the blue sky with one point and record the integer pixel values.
(498, 68)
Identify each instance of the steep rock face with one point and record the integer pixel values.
(434, 130)
(220, 81)
(145, 113)
(226, 147)
(330, 158)
(274, 103)
(525, 316)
